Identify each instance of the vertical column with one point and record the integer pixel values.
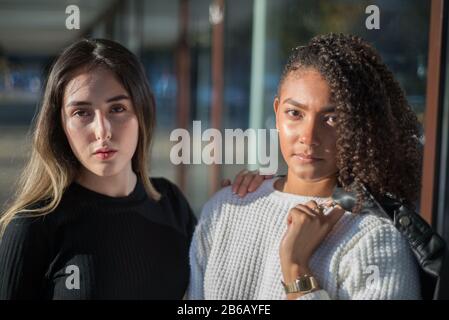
(134, 25)
(183, 79)
(433, 103)
(256, 111)
(216, 17)
(442, 213)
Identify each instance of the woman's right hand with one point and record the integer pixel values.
(307, 227)
(246, 181)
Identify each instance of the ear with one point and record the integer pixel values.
(276, 103)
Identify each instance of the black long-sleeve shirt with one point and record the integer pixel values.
(98, 247)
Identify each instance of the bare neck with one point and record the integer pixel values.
(120, 185)
(317, 188)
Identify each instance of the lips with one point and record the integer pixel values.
(306, 158)
(105, 153)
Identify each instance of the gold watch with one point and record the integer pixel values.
(304, 284)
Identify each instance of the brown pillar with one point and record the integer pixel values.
(183, 79)
(433, 103)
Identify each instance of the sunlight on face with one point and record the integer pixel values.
(100, 123)
(305, 118)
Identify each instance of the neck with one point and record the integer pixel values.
(314, 188)
(120, 185)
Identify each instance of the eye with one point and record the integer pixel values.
(331, 119)
(117, 109)
(80, 113)
(293, 113)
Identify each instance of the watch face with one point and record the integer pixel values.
(304, 284)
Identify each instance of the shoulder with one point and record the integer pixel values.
(26, 229)
(169, 192)
(379, 247)
(164, 186)
(372, 230)
(24, 221)
(25, 254)
(224, 204)
(219, 198)
(225, 196)
(27, 221)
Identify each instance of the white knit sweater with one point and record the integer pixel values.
(235, 252)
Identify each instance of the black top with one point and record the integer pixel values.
(98, 247)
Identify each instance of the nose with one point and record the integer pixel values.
(102, 127)
(309, 134)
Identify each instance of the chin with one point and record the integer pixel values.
(106, 171)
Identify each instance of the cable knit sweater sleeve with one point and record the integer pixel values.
(375, 265)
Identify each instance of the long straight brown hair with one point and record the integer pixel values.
(52, 166)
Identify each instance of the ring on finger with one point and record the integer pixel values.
(319, 209)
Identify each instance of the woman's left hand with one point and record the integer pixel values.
(307, 228)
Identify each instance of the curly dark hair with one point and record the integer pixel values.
(377, 131)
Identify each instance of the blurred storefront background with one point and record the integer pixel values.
(217, 61)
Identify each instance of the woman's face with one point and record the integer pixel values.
(305, 118)
(100, 123)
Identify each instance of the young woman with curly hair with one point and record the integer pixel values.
(343, 121)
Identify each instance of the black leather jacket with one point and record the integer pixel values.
(428, 247)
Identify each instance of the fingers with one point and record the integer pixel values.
(322, 209)
(317, 209)
(290, 215)
(315, 212)
(312, 204)
(256, 182)
(247, 181)
(331, 218)
(225, 183)
(289, 219)
(243, 189)
(296, 212)
(238, 180)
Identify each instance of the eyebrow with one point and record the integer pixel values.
(75, 103)
(304, 107)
